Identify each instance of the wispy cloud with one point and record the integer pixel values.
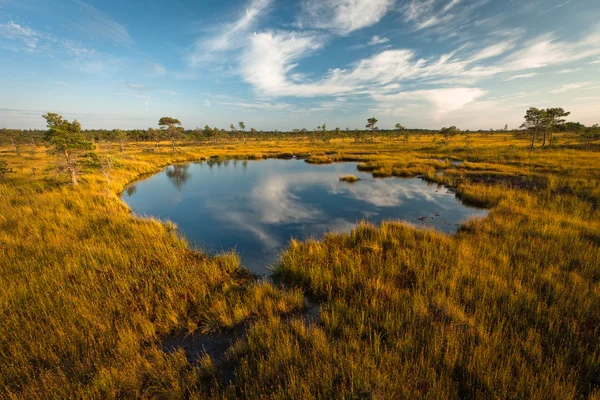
(546, 50)
(443, 100)
(571, 86)
(101, 26)
(22, 35)
(155, 69)
(440, 16)
(229, 36)
(557, 6)
(569, 70)
(521, 76)
(136, 86)
(375, 40)
(343, 16)
(493, 51)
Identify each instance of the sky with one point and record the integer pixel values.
(285, 64)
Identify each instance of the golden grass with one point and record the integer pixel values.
(507, 307)
(349, 178)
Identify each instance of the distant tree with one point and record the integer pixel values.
(172, 127)
(554, 120)
(403, 132)
(155, 135)
(207, 132)
(589, 135)
(242, 130)
(371, 124)
(324, 133)
(67, 140)
(449, 133)
(505, 127)
(120, 137)
(574, 127)
(535, 123)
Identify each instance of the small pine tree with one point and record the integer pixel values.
(67, 141)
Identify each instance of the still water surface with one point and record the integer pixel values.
(255, 207)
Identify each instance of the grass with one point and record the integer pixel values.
(317, 159)
(349, 178)
(508, 307)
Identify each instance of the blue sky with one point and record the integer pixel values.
(283, 64)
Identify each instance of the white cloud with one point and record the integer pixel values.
(557, 6)
(229, 36)
(450, 5)
(271, 56)
(343, 16)
(493, 51)
(23, 34)
(270, 65)
(169, 92)
(257, 105)
(571, 86)
(78, 50)
(546, 50)
(444, 100)
(521, 76)
(569, 71)
(375, 40)
(439, 16)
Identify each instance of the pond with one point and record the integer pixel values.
(255, 207)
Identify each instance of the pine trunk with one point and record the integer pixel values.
(71, 168)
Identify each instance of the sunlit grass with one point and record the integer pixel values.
(349, 178)
(508, 307)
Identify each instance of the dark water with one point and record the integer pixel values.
(255, 207)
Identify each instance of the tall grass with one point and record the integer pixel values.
(507, 307)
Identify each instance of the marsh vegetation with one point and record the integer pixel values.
(507, 307)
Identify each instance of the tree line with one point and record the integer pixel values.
(539, 126)
(69, 141)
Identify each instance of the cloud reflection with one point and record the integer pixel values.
(276, 204)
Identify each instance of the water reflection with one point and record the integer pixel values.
(258, 208)
(178, 175)
(131, 189)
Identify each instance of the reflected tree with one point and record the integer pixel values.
(131, 189)
(179, 175)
